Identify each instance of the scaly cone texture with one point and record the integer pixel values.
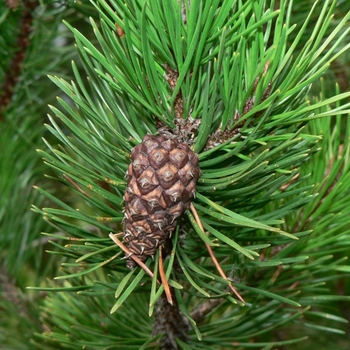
(161, 182)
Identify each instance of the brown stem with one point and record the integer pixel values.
(220, 136)
(169, 321)
(114, 238)
(75, 185)
(22, 42)
(203, 309)
(213, 257)
(163, 278)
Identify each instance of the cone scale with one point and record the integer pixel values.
(161, 180)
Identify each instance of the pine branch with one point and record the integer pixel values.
(147, 71)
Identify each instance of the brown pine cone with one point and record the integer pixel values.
(161, 182)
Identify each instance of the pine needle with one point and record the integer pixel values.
(163, 278)
(213, 257)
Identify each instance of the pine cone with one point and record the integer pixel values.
(161, 181)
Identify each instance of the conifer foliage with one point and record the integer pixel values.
(200, 141)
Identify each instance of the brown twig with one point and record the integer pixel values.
(163, 278)
(213, 257)
(203, 309)
(222, 135)
(22, 42)
(170, 322)
(291, 181)
(75, 185)
(114, 238)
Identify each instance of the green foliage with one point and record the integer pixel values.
(23, 260)
(272, 197)
(20, 167)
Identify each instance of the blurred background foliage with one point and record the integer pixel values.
(41, 320)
